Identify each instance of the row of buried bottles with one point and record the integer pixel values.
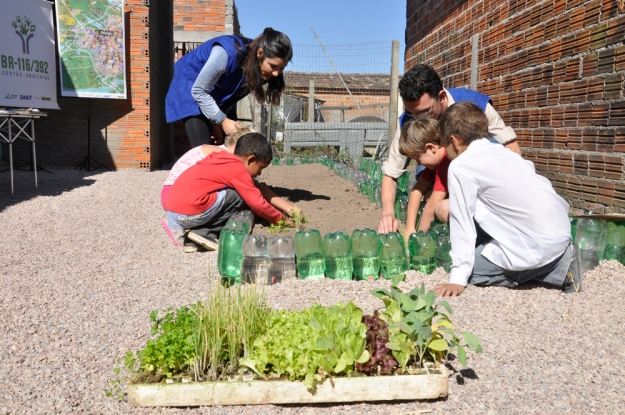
(368, 178)
(598, 240)
(363, 256)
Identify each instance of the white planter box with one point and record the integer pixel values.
(361, 389)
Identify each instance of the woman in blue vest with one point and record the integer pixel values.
(209, 81)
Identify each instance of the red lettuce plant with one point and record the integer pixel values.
(382, 361)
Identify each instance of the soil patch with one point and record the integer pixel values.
(329, 203)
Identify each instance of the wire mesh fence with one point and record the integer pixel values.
(350, 97)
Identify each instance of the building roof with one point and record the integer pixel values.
(372, 84)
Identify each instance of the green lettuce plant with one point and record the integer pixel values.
(420, 328)
(310, 344)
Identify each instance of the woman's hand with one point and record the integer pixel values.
(228, 126)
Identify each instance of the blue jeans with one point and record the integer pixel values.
(180, 221)
(487, 273)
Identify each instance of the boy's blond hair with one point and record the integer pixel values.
(416, 134)
(233, 137)
(463, 120)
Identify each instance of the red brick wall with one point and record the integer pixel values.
(554, 70)
(122, 131)
(200, 15)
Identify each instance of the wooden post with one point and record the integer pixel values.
(311, 101)
(392, 112)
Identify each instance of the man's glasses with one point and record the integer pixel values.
(428, 111)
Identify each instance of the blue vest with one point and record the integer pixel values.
(179, 102)
(458, 95)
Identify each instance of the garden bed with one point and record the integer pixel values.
(432, 385)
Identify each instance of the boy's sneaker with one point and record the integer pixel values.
(573, 280)
(190, 246)
(208, 241)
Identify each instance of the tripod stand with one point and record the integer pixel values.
(86, 163)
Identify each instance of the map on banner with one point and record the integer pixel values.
(92, 48)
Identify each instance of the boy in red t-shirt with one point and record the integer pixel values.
(420, 140)
(216, 187)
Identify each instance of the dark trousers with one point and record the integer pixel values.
(233, 203)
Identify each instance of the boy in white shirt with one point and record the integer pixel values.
(507, 224)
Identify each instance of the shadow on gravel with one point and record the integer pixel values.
(462, 374)
(297, 195)
(49, 184)
(346, 407)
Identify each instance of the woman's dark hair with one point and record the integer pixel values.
(274, 45)
(419, 80)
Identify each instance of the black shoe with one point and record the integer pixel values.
(573, 280)
(208, 241)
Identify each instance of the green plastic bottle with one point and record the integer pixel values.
(309, 253)
(290, 161)
(402, 182)
(275, 161)
(422, 248)
(443, 252)
(615, 242)
(373, 189)
(337, 251)
(392, 255)
(230, 255)
(401, 207)
(365, 254)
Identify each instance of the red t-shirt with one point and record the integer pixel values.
(195, 191)
(438, 176)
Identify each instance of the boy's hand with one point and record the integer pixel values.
(288, 221)
(294, 209)
(448, 290)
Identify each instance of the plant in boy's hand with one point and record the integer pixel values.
(448, 290)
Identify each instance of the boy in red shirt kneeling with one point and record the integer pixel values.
(209, 192)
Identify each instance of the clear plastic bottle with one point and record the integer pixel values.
(591, 237)
(337, 251)
(392, 255)
(422, 248)
(378, 196)
(255, 265)
(309, 252)
(281, 259)
(401, 206)
(230, 255)
(243, 220)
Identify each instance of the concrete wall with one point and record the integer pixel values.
(555, 72)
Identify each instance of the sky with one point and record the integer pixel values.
(337, 22)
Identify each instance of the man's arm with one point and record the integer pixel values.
(498, 130)
(388, 223)
(427, 217)
(392, 169)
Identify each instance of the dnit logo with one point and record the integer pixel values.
(25, 29)
(26, 97)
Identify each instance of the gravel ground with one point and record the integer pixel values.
(85, 261)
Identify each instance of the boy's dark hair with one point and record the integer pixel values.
(465, 120)
(416, 134)
(419, 80)
(254, 144)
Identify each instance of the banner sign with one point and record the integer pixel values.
(27, 63)
(91, 44)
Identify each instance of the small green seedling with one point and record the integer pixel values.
(283, 227)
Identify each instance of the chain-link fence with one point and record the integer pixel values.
(337, 102)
